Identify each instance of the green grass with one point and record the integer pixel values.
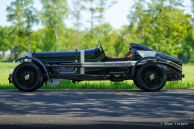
(5, 70)
(186, 83)
(92, 85)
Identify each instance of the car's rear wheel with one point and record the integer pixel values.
(27, 77)
(150, 77)
(137, 84)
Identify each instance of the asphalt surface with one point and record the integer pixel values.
(96, 109)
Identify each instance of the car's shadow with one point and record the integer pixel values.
(89, 103)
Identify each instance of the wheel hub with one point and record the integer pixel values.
(152, 77)
(27, 77)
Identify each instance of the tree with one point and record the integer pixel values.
(22, 15)
(163, 26)
(97, 9)
(77, 10)
(192, 1)
(53, 15)
(4, 38)
(190, 38)
(167, 31)
(136, 12)
(31, 18)
(89, 4)
(22, 22)
(102, 6)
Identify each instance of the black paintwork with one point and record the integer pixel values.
(56, 64)
(135, 46)
(170, 58)
(90, 54)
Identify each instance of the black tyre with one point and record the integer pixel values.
(138, 86)
(27, 77)
(150, 77)
(41, 84)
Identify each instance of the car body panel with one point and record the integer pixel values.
(93, 64)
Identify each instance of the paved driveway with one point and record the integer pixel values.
(83, 107)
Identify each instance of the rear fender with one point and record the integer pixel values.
(146, 59)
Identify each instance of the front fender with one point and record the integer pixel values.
(23, 59)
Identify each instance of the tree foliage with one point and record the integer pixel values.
(160, 24)
(52, 17)
(97, 8)
(22, 15)
(163, 26)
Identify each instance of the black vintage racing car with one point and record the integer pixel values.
(149, 69)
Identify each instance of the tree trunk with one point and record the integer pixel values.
(92, 15)
(57, 39)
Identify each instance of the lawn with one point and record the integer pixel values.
(186, 83)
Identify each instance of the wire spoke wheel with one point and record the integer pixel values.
(150, 77)
(27, 77)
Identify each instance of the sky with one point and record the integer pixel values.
(116, 15)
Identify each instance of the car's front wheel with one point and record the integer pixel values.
(150, 77)
(27, 77)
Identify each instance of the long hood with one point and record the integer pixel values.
(69, 55)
